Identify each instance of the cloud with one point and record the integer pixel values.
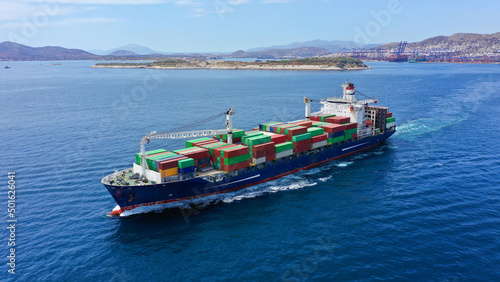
(64, 22)
(237, 2)
(102, 2)
(277, 1)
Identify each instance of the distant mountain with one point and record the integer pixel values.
(18, 52)
(137, 49)
(280, 53)
(332, 46)
(123, 53)
(460, 44)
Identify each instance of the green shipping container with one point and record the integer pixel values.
(301, 137)
(351, 131)
(236, 160)
(266, 125)
(391, 119)
(285, 146)
(315, 131)
(189, 143)
(257, 140)
(211, 148)
(319, 124)
(138, 155)
(185, 163)
(327, 116)
(335, 140)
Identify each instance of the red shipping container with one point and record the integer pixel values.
(263, 147)
(285, 127)
(389, 114)
(237, 140)
(233, 167)
(319, 138)
(332, 128)
(170, 163)
(216, 151)
(263, 153)
(271, 157)
(338, 120)
(315, 118)
(278, 138)
(206, 142)
(302, 149)
(351, 125)
(296, 131)
(255, 129)
(354, 135)
(231, 153)
(306, 124)
(302, 143)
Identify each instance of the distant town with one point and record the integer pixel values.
(457, 48)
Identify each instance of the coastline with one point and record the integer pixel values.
(240, 67)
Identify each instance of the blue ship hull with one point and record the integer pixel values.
(131, 197)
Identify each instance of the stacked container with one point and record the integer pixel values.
(390, 121)
(186, 168)
(237, 134)
(201, 156)
(231, 157)
(318, 138)
(284, 149)
(263, 152)
(335, 132)
(351, 130)
(320, 118)
(338, 119)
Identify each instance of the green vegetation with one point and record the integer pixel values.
(307, 63)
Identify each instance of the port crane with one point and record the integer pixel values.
(189, 134)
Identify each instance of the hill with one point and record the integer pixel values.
(459, 44)
(136, 49)
(281, 53)
(10, 51)
(332, 46)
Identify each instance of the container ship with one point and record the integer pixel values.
(223, 161)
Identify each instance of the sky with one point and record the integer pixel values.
(230, 25)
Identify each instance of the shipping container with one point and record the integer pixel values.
(389, 114)
(306, 124)
(301, 143)
(168, 164)
(335, 140)
(338, 120)
(257, 140)
(236, 160)
(318, 144)
(284, 153)
(301, 137)
(301, 149)
(351, 131)
(282, 129)
(332, 128)
(278, 138)
(263, 147)
(229, 168)
(350, 125)
(336, 134)
(189, 143)
(319, 138)
(283, 147)
(261, 154)
(319, 123)
(186, 170)
(259, 160)
(235, 152)
(315, 131)
(186, 163)
(169, 172)
(390, 119)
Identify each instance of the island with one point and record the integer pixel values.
(331, 63)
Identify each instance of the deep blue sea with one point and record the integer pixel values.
(424, 206)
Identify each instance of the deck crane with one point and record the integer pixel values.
(187, 134)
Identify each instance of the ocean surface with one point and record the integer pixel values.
(424, 206)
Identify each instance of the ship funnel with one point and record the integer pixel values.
(349, 91)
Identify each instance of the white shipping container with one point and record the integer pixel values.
(318, 144)
(390, 124)
(284, 154)
(258, 160)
